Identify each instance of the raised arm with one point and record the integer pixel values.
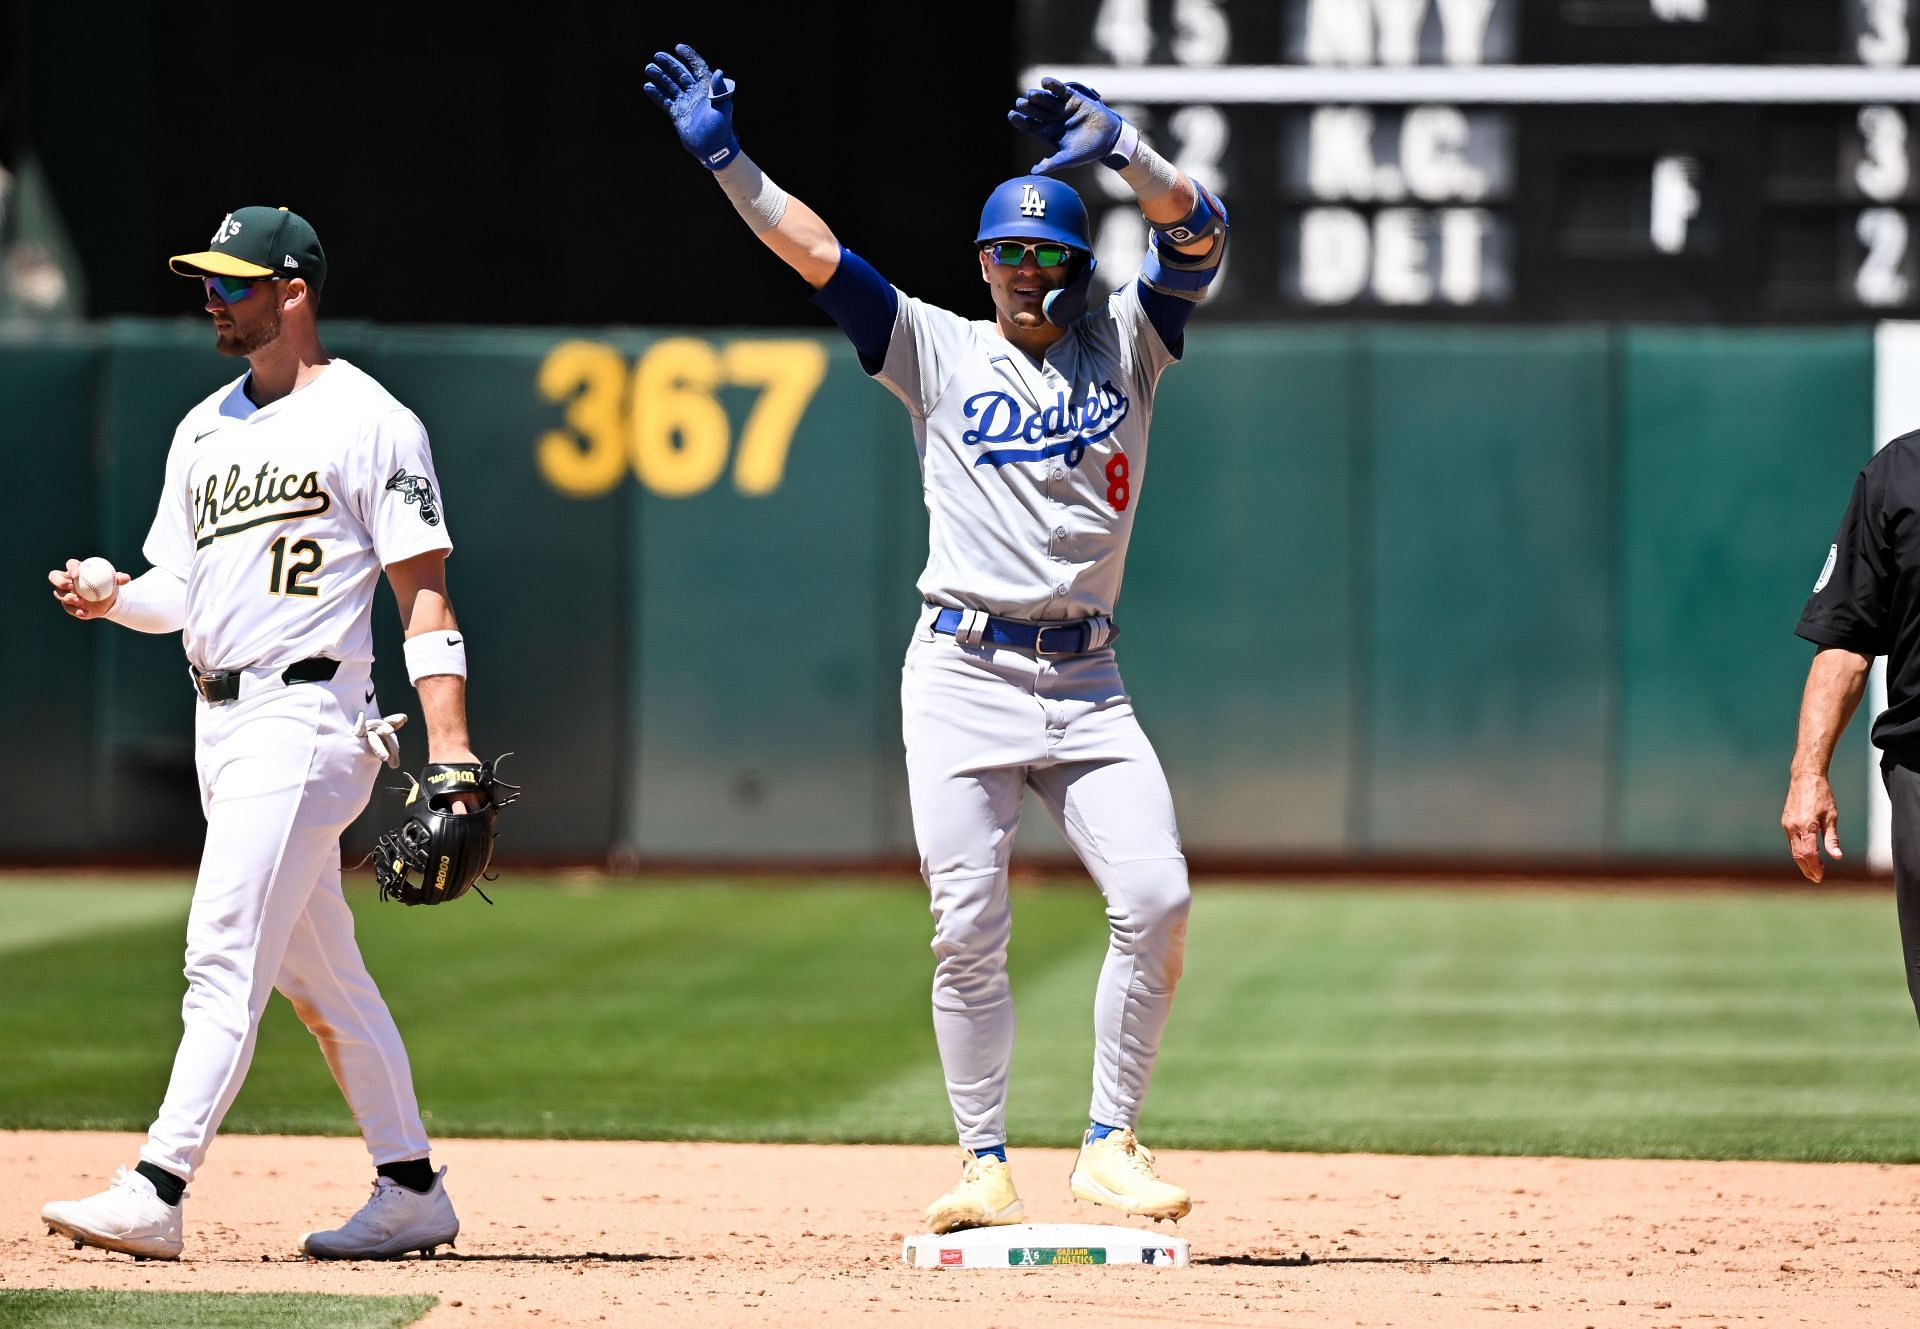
(1189, 224)
(699, 101)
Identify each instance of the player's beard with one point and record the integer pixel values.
(263, 334)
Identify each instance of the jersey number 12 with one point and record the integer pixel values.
(304, 563)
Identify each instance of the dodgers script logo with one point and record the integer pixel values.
(1064, 429)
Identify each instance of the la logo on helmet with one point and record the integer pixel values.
(227, 230)
(1031, 204)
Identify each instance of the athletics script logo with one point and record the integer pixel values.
(1063, 429)
(270, 495)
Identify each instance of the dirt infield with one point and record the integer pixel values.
(721, 1235)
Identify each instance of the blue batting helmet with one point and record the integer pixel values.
(1035, 207)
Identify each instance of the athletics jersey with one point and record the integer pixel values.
(1031, 471)
(281, 517)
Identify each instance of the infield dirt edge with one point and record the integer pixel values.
(609, 1233)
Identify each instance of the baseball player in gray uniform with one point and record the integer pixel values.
(1032, 435)
(288, 492)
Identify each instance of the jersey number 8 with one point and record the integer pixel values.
(1118, 490)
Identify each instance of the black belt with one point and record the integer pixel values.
(1041, 638)
(224, 684)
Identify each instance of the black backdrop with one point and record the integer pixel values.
(497, 163)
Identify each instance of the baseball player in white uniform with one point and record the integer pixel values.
(1032, 435)
(287, 493)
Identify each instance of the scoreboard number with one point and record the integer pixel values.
(1881, 280)
(1881, 32)
(1710, 160)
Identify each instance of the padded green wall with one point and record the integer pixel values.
(1738, 452)
(51, 708)
(1393, 591)
(1488, 605)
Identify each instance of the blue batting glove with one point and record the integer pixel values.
(1081, 127)
(699, 101)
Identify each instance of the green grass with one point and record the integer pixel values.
(1676, 1024)
(33, 1309)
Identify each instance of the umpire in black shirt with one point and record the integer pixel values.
(1867, 603)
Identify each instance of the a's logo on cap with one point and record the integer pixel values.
(228, 228)
(1031, 204)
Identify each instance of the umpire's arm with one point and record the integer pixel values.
(1835, 685)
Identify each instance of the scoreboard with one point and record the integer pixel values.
(1686, 160)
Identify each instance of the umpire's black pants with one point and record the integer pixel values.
(1903, 787)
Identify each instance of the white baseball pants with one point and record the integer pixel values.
(982, 723)
(281, 775)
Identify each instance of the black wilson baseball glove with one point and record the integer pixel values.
(437, 853)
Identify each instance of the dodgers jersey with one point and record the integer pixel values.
(279, 518)
(1031, 471)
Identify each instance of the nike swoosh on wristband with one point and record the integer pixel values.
(214, 430)
(369, 694)
(453, 641)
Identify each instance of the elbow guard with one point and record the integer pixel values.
(1187, 276)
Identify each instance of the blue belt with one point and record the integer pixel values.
(1041, 638)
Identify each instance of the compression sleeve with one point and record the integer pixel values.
(863, 303)
(1169, 315)
(154, 601)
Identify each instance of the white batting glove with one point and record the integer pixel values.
(381, 734)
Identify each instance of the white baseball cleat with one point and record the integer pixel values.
(128, 1217)
(393, 1222)
(1117, 1171)
(983, 1197)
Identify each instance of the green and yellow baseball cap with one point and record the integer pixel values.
(259, 242)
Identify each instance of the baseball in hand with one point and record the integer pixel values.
(96, 580)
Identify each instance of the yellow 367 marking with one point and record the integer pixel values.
(665, 419)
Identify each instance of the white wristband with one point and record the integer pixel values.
(1151, 176)
(759, 201)
(435, 653)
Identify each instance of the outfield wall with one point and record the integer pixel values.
(1495, 592)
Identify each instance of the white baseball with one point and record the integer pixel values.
(96, 580)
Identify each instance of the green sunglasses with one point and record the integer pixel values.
(1046, 254)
